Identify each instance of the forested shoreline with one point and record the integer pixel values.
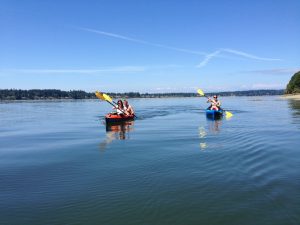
(293, 87)
(43, 94)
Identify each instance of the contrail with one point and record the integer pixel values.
(246, 55)
(143, 42)
(208, 56)
(114, 35)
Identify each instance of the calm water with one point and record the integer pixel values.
(60, 164)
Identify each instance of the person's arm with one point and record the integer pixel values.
(213, 102)
(131, 110)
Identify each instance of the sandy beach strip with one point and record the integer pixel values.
(294, 96)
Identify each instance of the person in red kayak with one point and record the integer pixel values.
(215, 103)
(128, 108)
(119, 108)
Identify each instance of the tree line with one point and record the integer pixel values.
(35, 94)
(40, 94)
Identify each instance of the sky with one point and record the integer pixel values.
(149, 46)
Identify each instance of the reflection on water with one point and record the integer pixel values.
(295, 106)
(52, 170)
(202, 135)
(214, 127)
(116, 131)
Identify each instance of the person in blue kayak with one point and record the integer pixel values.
(128, 108)
(215, 103)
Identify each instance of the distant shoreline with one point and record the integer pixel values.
(54, 94)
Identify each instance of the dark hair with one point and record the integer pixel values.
(120, 101)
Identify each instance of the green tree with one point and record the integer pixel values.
(293, 86)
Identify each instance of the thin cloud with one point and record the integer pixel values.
(214, 54)
(276, 71)
(260, 86)
(267, 86)
(124, 69)
(173, 89)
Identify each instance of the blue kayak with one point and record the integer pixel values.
(214, 114)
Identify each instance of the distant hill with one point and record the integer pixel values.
(41, 94)
(293, 86)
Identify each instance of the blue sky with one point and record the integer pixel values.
(149, 46)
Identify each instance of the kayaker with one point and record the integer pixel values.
(128, 108)
(119, 107)
(215, 103)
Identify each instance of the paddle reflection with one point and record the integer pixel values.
(117, 131)
(202, 136)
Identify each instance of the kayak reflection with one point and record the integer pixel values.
(120, 130)
(117, 131)
(214, 125)
(213, 128)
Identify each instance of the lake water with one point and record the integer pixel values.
(60, 164)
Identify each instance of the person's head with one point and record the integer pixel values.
(120, 103)
(215, 96)
(125, 103)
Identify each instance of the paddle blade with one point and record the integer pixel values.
(99, 95)
(200, 92)
(107, 98)
(228, 114)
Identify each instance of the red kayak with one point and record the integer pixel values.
(114, 118)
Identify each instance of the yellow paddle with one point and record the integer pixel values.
(104, 97)
(201, 93)
(227, 113)
(108, 98)
(99, 95)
